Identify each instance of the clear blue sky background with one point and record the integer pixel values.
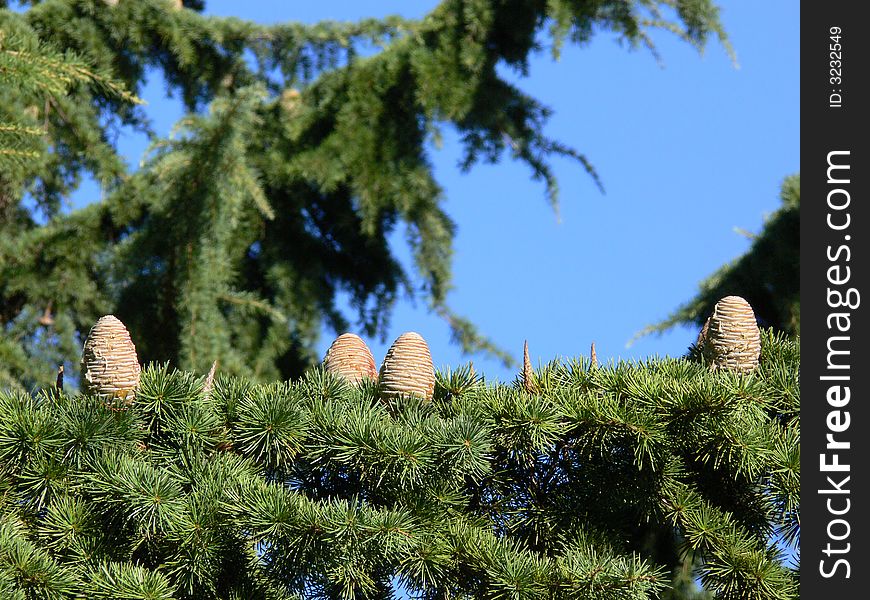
(688, 150)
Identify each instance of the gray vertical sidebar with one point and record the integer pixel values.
(835, 368)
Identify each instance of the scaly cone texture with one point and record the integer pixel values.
(110, 367)
(408, 368)
(528, 373)
(350, 358)
(732, 339)
(593, 357)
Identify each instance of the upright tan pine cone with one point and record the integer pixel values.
(593, 357)
(529, 383)
(408, 368)
(110, 367)
(350, 358)
(732, 339)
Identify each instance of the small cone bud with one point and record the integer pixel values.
(209, 381)
(732, 339)
(702, 336)
(593, 358)
(529, 383)
(290, 99)
(110, 368)
(408, 368)
(47, 320)
(350, 358)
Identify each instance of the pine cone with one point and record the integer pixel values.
(350, 358)
(529, 383)
(731, 339)
(408, 368)
(110, 368)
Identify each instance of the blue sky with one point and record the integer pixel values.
(688, 150)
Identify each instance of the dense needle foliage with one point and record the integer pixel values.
(305, 148)
(314, 489)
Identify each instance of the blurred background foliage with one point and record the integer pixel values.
(277, 192)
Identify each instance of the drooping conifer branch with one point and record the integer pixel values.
(303, 152)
